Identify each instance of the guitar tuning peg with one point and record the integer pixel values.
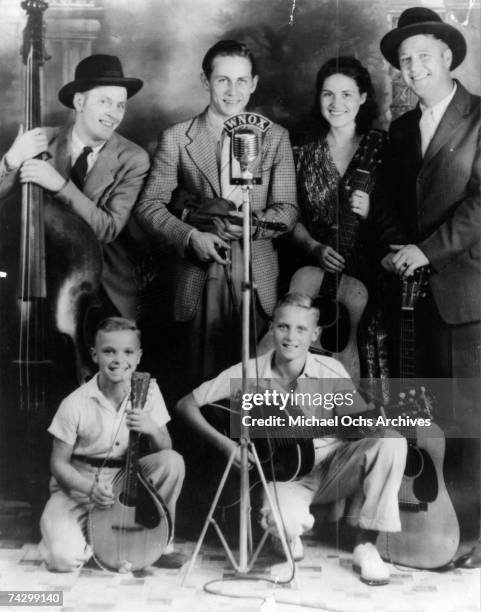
(402, 395)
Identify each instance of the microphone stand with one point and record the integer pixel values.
(244, 565)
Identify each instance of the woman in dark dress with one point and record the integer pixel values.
(340, 196)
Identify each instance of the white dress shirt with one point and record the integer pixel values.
(431, 118)
(78, 146)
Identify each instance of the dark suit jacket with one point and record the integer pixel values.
(438, 199)
(106, 202)
(186, 158)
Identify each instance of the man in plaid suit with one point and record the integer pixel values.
(205, 283)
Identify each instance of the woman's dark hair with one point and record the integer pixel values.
(227, 48)
(351, 67)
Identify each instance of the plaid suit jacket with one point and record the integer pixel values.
(186, 157)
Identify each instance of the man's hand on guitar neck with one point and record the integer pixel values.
(404, 259)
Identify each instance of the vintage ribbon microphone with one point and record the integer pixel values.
(246, 131)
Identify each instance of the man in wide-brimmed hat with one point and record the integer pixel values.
(92, 170)
(435, 185)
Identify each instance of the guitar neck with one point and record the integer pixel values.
(412, 291)
(131, 465)
(138, 397)
(366, 160)
(347, 223)
(407, 347)
(361, 179)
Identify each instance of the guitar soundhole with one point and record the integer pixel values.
(127, 500)
(414, 462)
(146, 513)
(328, 311)
(420, 467)
(425, 486)
(335, 337)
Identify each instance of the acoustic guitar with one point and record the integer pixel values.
(286, 453)
(341, 293)
(351, 296)
(430, 529)
(134, 532)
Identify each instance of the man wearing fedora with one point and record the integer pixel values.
(435, 186)
(91, 169)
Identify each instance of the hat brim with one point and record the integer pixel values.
(65, 95)
(450, 35)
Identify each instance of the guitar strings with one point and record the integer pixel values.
(99, 470)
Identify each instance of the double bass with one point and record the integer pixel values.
(51, 264)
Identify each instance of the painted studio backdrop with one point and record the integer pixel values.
(163, 42)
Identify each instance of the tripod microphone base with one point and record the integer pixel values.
(243, 566)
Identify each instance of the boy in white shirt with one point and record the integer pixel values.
(90, 439)
(368, 470)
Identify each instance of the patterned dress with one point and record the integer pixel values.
(326, 214)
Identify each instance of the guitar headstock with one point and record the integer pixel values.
(368, 159)
(370, 151)
(413, 288)
(414, 402)
(31, 6)
(139, 389)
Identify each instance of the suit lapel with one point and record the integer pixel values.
(448, 123)
(412, 137)
(104, 169)
(201, 151)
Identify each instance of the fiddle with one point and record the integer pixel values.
(200, 212)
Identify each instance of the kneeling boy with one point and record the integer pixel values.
(368, 470)
(90, 439)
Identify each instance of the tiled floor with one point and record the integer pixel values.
(324, 580)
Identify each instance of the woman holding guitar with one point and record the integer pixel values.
(339, 230)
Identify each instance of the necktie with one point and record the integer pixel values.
(228, 191)
(427, 127)
(79, 169)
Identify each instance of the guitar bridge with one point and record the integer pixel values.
(413, 507)
(127, 528)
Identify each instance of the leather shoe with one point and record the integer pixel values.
(172, 560)
(367, 562)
